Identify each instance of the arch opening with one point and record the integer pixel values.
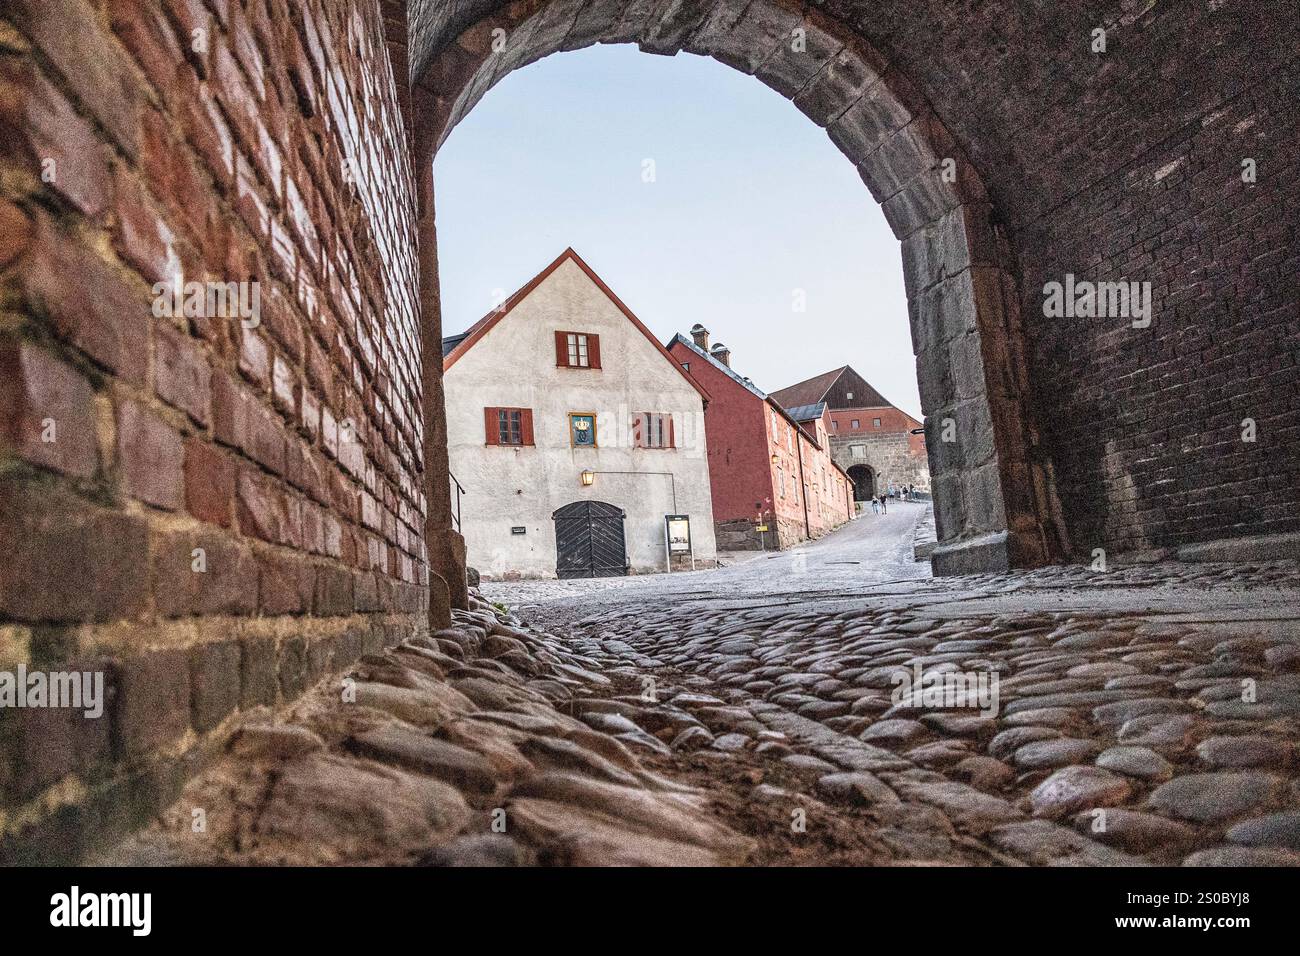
(995, 506)
(864, 482)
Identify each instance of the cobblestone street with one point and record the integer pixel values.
(874, 550)
(1144, 715)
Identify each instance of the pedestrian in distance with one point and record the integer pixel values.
(875, 505)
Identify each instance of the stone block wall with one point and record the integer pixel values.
(212, 512)
(889, 456)
(741, 534)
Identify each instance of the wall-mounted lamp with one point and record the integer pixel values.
(776, 459)
(588, 477)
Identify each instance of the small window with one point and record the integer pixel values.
(875, 422)
(577, 350)
(508, 426)
(579, 357)
(856, 423)
(653, 430)
(687, 366)
(780, 480)
(849, 396)
(835, 425)
(582, 429)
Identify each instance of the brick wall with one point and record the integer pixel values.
(1147, 424)
(214, 513)
(1127, 165)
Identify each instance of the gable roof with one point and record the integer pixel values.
(720, 366)
(815, 389)
(745, 384)
(453, 347)
(808, 392)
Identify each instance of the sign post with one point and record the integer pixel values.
(677, 538)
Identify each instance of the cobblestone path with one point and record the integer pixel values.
(1146, 715)
(1122, 736)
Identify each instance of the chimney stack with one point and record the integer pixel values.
(722, 354)
(701, 336)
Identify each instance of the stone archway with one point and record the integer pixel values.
(994, 501)
(864, 482)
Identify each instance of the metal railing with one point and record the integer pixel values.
(458, 489)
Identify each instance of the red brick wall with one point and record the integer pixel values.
(825, 500)
(784, 442)
(833, 499)
(742, 438)
(232, 140)
(739, 470)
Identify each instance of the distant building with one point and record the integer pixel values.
(574, 435)
(765, 469)
(869, 438)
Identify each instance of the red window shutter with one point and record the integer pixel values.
(672, 437)
(526, 425)
(593, 350)
(639, 430)
(490, 426)
(562, 349)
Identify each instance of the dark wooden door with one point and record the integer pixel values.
(589, 540)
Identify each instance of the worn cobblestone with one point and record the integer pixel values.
(667, 723)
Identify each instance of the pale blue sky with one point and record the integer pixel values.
(750, 202)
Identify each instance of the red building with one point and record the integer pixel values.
(765, 469)
(875, 442)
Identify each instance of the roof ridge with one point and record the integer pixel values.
(484, 325)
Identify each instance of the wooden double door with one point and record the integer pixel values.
(589, 540)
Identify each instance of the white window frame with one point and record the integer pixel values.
(655, 428)
(579, 353)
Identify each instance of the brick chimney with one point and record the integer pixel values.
(721, 353)
(701, 336)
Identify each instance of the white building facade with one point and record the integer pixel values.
(574, 435)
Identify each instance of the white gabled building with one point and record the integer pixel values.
(563, 379)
